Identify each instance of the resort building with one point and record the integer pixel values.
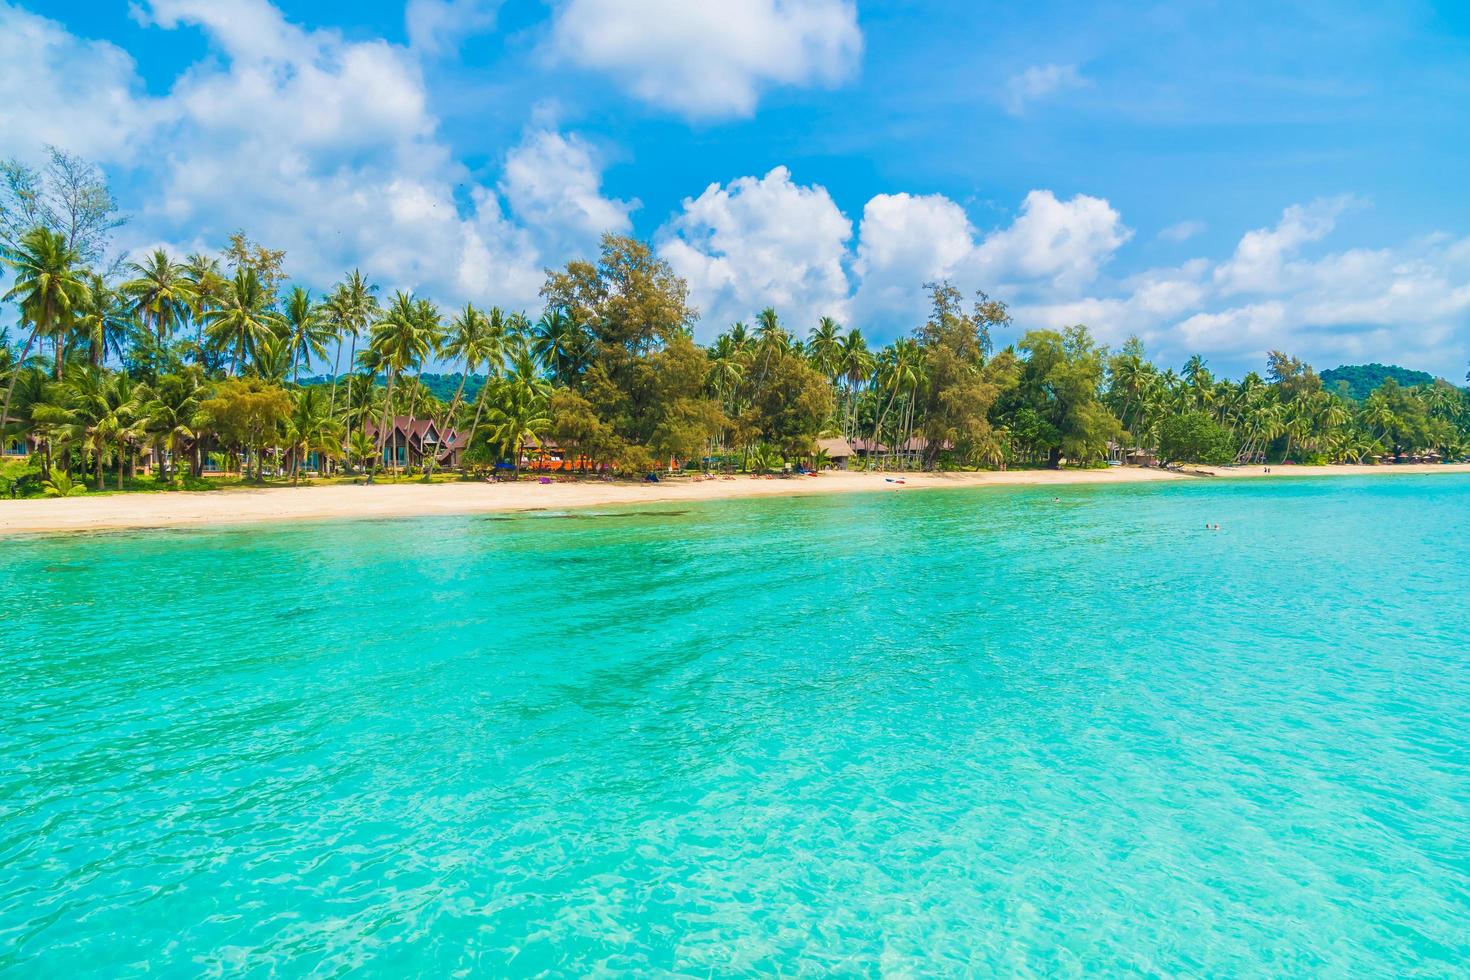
(839, 452)
(411, 441)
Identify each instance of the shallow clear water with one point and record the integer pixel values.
(922, 732)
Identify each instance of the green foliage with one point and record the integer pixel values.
(62, 485)
(1061, 383)
(198, 358)
(1195, 437)
(1361, 379)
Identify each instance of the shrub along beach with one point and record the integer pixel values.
(197, 372)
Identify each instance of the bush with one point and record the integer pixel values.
(1195, 437)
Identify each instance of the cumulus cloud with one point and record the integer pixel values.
(72, 92)
(710, 59)
(1041, 82)
(1061, 242)
(1261, 262)
(553, 183)
(760, 242)
(904, 241)
(362, 179)
(771, 240)
(1409, 303)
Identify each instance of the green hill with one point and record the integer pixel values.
(1361, 379)
(442, 386)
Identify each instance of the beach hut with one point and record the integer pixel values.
(839, 452)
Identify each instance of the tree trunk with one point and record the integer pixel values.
(15, 376)
(479, 407)
(383, 433)
(336, 370)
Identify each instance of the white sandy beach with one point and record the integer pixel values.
(243, 506)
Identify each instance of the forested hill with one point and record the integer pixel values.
(1361, 379)
(443, 386)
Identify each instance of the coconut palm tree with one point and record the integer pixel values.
(497, 341)
(243, 320)
(856, 367)
(308, 330)
(898, 375)
(160, 293)
(207, 287)
(519, 411)
(824, 347)
(310, 429)
(105, 416)
(362, 449)
(49, 288)
(561, 344)
(102, 321)
(471, 343)
(407, 335)
(170, 416)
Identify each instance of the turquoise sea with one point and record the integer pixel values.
(1045, 731)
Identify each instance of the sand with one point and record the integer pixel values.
(245, 506)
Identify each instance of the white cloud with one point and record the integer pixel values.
(320, 145)
(1040, 82)
(1408, 304)
(1262, 259)
(904, 241)
(761, 242)
(765, 241)
(710, 59)
(438, 26)
(1182, 232)
(1061, 242)
(553, 184)
(82, 95)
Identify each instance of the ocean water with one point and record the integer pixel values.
(1044, 731)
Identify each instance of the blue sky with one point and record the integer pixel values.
(1226, 178)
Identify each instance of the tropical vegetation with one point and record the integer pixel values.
(204, 363)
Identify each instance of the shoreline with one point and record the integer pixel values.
(222, 508)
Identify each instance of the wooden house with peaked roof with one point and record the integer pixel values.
(410, 442)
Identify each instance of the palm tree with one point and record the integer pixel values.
(497, 339)
(898, 374)
(824, 347)
(105, 415)
(353, 306)
(561, 344)
(243, 320)
(274, 357)
(307, 329)
(160, 293)
(170, 416)
(207, 287)
(520, 411)
(362, 449)
(102, 320)
(48, 288)
(857, 365)
(310, 429)
(405, 336)
(471, 342)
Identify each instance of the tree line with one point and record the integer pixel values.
(219, 358)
